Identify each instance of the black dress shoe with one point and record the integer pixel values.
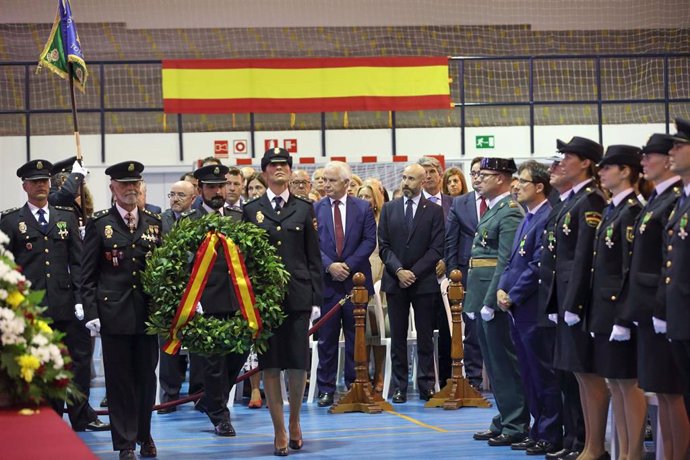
(127, 454)
(104, 402)
(542, 448)
(524, 444)
(148, 449)
(95, 425)
(572, 455)
(558, 454)
(426, 395)
(167, 410)
(505, 440)
(484, 435)
(399, 397)
(325, 399)
(225, 428)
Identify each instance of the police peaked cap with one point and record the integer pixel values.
(683, 134)
(127, 171)
(212, 174)
(583, 147)
(658, 143)
(276, 155)
(35, 170)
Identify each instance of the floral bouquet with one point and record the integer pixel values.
(34, 363)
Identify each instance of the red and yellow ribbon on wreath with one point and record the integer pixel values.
(205, 257)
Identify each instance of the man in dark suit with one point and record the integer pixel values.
(47, 246)
(491, 249)
(461, 224)
(676, 321)
(218, 300)
(410, 245)
(518, 293)
(116, 244)
(291, 226)
(172, 368)
(347, 237)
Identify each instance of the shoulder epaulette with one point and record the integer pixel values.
(64, 208)
(155, 215)
(99, 214)
(252, 199)
(305, 199)
(9, 211)
(188, 213)
(633, 203)
(512, 204)
(676, 190)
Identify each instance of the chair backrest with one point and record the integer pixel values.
(446, 303)
(378, 311)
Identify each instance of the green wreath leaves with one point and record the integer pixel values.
(168, 270)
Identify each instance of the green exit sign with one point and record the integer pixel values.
(484, 142)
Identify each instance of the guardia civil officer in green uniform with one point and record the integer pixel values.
(290, 223)
(116, 244)
(491, 250)
(45, 242)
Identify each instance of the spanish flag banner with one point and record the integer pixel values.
(305, 85)
(205, 257)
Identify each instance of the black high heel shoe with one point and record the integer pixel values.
(296, 444)
(279, 451)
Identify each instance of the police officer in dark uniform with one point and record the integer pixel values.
(291, 225)
(116, 245)
(656, 369)
(615, 338)
(68, 192)
(46, 244)
(576, 225)
(218, 300)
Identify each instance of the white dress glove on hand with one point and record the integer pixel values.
(315, 313)
(619, 333)
(79, 169)
(487, 313)
(659, 325)
(571, 319)
(94, 325)
(553, 317)
(199, 308)
(79, 311)
(470, 316)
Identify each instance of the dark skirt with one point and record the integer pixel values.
(615, 360)
(288, 348)
(656, 367)
(573, 351)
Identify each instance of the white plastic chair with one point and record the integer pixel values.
(313, 346)
(383, 340)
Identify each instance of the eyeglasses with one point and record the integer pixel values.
(482, 176)
(177, 195)
(522, 181)
(300, 183)
(474, 174)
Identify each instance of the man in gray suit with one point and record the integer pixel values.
(461, 224)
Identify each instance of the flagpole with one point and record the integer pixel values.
(75, 123)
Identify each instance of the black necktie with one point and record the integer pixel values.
(681, 200)
(651, 197)
(278, 203)
(570, 195)
(408, 214)
(608, 210)
(42, 219)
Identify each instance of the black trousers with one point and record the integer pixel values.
(398, 315)
(573, 420)
(220, 374)
(473, 354)
(130, 384)
(171, 374)
(78, 342)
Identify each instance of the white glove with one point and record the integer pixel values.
(79, 311)
(487, 313)
(619, 333)
(199, 308)
(637, 324)
(79, 169)
(470, 315)
(82, 232)
(315, 313)
(553, 317)
(94, 325)
(571, 319)
(659, 325)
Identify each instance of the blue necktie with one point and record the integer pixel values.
(42, 219)
(608, 210)
(408, 214)
(651, 197)
(525, 225)
(433, 199)
(570, 195)
(278, 203)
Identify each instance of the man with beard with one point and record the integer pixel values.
(116, 244)
(218, 300)
(410, 245)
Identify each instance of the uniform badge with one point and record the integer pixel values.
(566, 224)
(682, 232)
(22, 227)
(315, 224)
(130, 168)
(630, 233)
(593, 218)
(29, 246)
(39, 165)
(108, 232)
(216, 170)
(485, 233)
(609, 237)
(647, 217)
(260, 217)
(62, 229)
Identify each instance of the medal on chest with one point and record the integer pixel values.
(22, 227)
(108, 231)
(62, 229)
(682, 231)
(521, 251)
(566, 224)
(485, 233)
(552, 240)
(260, 217)
(609, 237)
(647, 217)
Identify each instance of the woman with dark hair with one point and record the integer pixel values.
(256, 186)
(454, 183)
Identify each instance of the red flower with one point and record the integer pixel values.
(61, 383)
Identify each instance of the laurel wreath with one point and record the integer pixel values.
(168, 270)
